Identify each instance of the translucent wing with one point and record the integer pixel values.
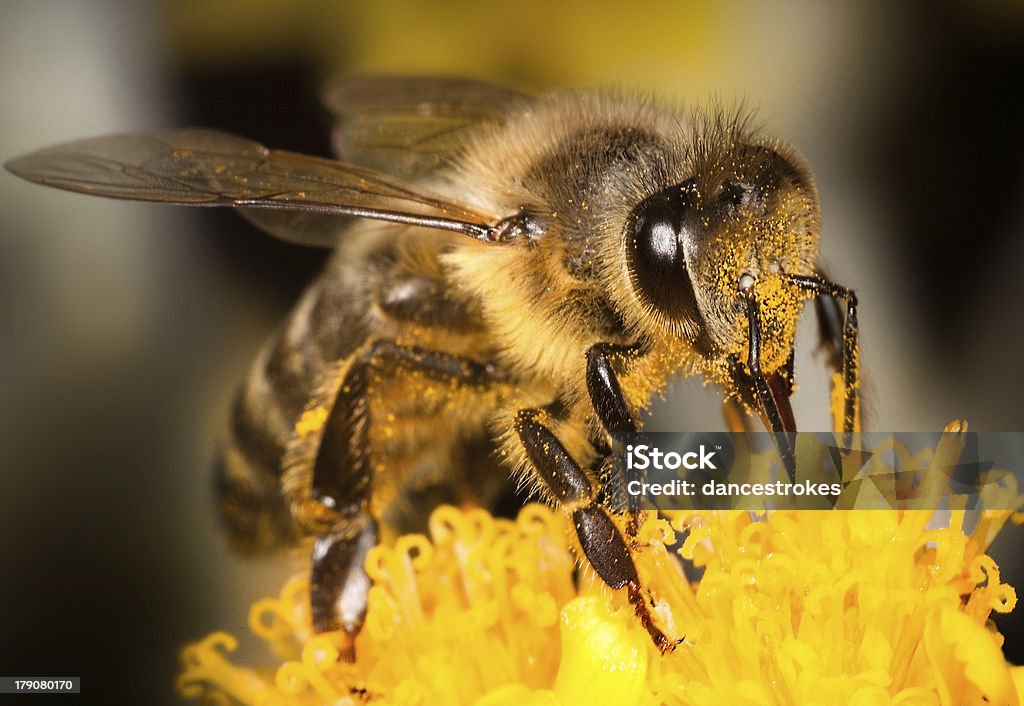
(411, 125)
(209, 168)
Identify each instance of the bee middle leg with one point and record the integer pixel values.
(338, 500)
(602, 543)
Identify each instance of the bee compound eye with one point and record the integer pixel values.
(656, 232)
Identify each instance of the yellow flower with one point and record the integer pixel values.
(806, 607)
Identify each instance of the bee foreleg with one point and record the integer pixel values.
(849, 344)
(602, 543)
(845, 341)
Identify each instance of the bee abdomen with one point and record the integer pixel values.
(248, 477)
(252, 506)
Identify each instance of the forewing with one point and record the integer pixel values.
(210, 168)
(411, 125)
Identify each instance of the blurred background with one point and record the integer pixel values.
(125, 328)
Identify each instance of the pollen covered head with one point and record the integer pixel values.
(697, 249)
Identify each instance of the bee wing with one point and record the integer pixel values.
(210, 168)
(411, 125)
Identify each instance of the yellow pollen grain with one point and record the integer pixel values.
(311, 422)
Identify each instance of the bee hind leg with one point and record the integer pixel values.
(338, 581)
(336, 498)
(602, 543)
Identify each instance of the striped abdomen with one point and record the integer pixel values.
(322, 329)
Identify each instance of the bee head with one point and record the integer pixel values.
(698, 249)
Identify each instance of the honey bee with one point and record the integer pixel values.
(514, 278)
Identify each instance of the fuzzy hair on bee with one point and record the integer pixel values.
(513, 278)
